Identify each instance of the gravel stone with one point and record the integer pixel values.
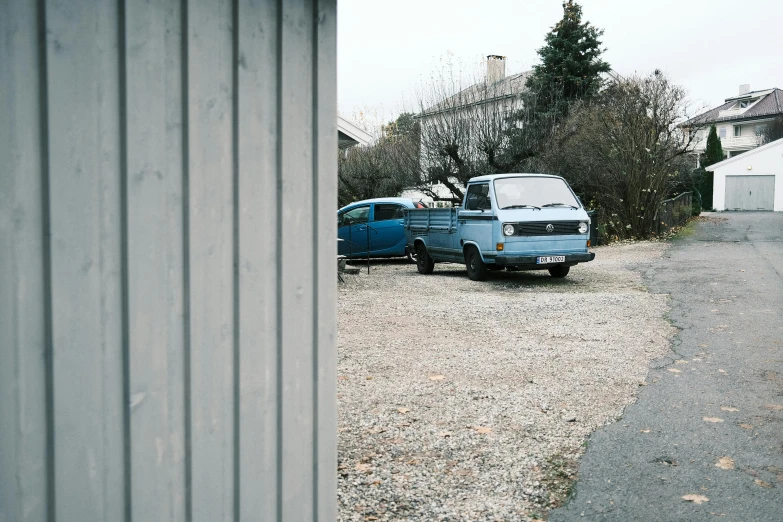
(484, 442)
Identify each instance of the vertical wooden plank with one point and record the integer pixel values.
(325, 186)
(154, 192)
(86, 268)
(257, 225)
(23, 425)
(211, 261)
(295, 269)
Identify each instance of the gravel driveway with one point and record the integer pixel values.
(462, 400)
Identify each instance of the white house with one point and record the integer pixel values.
(349, 135)
(740, 120)
(753, 181)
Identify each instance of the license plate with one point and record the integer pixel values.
(550, 259)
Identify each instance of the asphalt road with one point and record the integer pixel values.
(719, 394)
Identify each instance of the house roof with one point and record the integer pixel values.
(349, 134)
(744, 156)
(481, 92)
(770, 104)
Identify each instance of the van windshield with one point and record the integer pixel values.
(533, 192)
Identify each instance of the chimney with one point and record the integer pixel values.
(496, 68)
(744, 88)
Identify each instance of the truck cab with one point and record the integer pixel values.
(506, 221)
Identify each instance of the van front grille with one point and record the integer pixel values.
(538, 228)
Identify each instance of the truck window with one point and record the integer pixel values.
(478, 197)
(384, 212)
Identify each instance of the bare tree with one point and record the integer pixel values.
(624, 151)
(464, 129)
(773, 130)
(378, 170)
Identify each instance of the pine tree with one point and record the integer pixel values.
(571, 64)
(713, 153)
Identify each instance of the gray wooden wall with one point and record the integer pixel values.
(167, 246)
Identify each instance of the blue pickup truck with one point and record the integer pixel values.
(514, 221)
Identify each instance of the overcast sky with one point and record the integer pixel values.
(387, 49)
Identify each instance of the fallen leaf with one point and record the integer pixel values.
(763, 484)
(674, 370)
(680, 361)
(713, 310)
(729, 408)
(725, 463)
(371, 517)
(369, 377)
(696, 499)
(645, 431)
(741, 270)
(437, 377)
(365, 468)
(482, 429)
(773, 407)
(342, 378)
(721, 370)
(403, 410)
(746, 426)
(376, 482)
(703, 345)
(712, 419)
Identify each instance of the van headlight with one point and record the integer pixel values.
(583, 228)
(508, 229)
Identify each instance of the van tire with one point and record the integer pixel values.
(424, 263)
(477, 270)
(559, 271)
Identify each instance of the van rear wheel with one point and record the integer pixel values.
(477, 270)
(424, 263)
(559, 271)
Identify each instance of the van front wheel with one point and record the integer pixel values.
(477, 270)
(559, 271)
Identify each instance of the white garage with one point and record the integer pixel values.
(750, 181)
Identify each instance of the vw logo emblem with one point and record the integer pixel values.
(550, 228)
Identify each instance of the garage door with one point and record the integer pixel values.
(750, 192)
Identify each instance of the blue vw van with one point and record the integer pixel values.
(514, 221)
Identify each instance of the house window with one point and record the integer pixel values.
(744, 104)
(722, 132)
(737, 131)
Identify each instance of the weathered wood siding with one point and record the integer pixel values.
(167, 245)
